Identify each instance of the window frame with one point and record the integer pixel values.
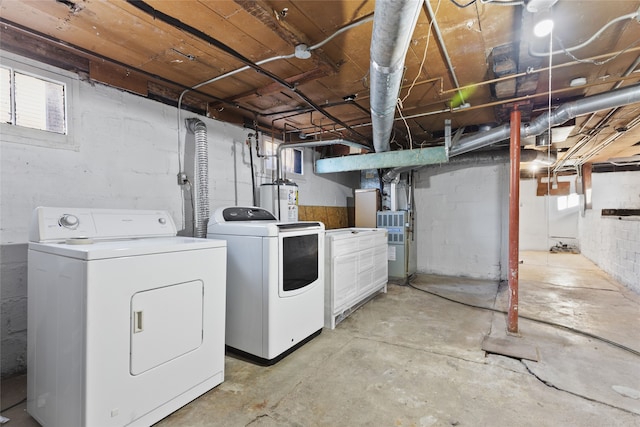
(16, 134)
(270, 148)
(568, 202)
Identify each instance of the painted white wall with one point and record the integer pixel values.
(123, 154)
(542, 225)
(613, 243)
(462, 220)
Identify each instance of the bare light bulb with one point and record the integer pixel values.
(543, 27)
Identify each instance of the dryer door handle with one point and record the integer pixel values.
(138, 325)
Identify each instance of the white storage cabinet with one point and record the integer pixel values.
(356, 268)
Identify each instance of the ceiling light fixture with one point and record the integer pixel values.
(578, 81)
(543, 24)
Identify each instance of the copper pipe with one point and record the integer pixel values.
(514, 221)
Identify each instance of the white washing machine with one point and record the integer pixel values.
(275, 284)
(125, 320)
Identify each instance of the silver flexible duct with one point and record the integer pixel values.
(201, 187)
(603, 101)
(393, 25)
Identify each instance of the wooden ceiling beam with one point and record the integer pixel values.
(277, 87)
(286, 31)
(25, 43)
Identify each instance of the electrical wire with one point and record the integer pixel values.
(399, 107)
(462, 6)
(400, 101)
(424, 54)
(141, 5)
(634, 15)
(14, 405)
(367, 18)
(503, 3)
(533, 319)
(591, 61)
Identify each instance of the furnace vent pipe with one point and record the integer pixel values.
(603, 101)
(470, 159)
(201, 187)
(393, 25)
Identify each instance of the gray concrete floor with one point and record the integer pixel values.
(410, 358)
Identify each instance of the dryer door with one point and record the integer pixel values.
(165, 323)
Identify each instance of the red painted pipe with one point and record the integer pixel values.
(514, 221)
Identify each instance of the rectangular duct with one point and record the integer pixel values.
(383, 160)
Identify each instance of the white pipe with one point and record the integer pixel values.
(340, 31)
(274, 58)
(246, 67)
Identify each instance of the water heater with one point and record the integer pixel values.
(280, 198)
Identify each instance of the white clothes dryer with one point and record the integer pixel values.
(125, 319)
(275, 282)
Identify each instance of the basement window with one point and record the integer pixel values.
(567, 202)
(292, 158)
(34, 103)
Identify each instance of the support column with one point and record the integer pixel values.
(514, 221)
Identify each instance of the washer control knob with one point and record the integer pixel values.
(69, 221)
(162, 221)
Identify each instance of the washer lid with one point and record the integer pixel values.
(105, 249)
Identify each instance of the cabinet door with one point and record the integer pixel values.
(380, 264)
(166, 323)
(344, 281)
(365, 271)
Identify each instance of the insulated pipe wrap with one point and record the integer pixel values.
(393, 25)
(201, 187)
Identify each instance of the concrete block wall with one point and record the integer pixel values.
(13, 308)
(462, 220)
(125, 155)
(542, 225)
(610, 242)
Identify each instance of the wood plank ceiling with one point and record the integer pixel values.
(158, 48)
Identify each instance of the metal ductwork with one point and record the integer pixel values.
(393, 25)
(560, 115)
(201, 187)
(473, 159)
